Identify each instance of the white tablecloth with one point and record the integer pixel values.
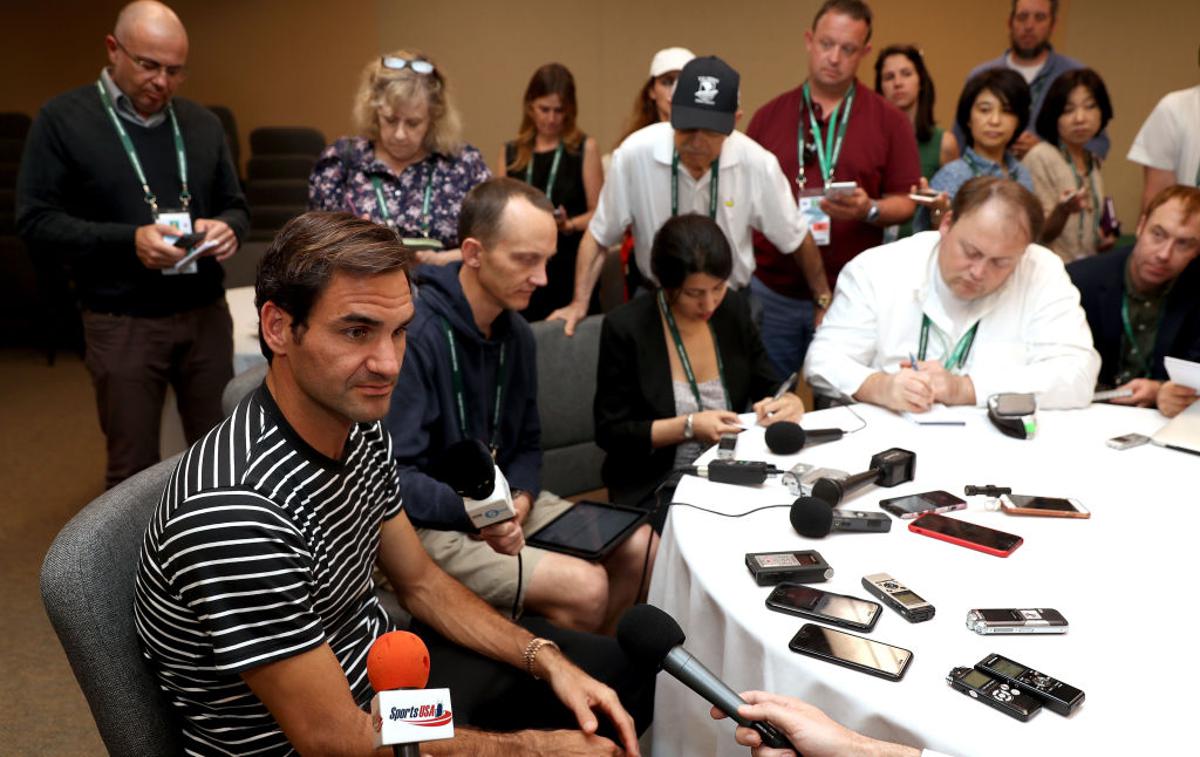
(1124, 579)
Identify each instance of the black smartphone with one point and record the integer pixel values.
(854, 652)
(966, 534)
(188, 241)
(918, 504)
(838, 609)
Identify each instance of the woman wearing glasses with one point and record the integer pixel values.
(676, 368)
(409, 167)
(552, 154)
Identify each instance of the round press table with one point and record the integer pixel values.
(1125, 579)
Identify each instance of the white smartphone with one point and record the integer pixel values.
(922, 198)
(840, 188)
(1051, 507)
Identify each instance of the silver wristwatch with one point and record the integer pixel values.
(688, 431)
(873, 213)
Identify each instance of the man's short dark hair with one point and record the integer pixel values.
(483, 207)
(1058, 94)
(977, 192)
(309, 250)
(855, 9)
(1053, 10)
(687, 244)
(1008, 86)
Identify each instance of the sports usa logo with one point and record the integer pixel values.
(428, 715)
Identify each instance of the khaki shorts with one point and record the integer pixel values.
(485, 571)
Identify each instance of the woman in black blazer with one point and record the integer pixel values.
(691, 340)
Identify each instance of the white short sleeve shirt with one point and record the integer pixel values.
(1170, 137)
(752, 194)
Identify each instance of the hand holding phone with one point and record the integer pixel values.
(839, 189)
(188, 241)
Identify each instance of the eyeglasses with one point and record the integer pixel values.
(150, 66)
(417, 65)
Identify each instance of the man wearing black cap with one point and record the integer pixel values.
(696, 163)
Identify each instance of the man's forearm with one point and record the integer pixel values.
(873, 389)
(808, 257)
(473, 623)
(588, 264)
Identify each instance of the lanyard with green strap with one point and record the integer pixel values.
(829, 152)
(558, 153)
(683, 356)
(958, 357)
(383, 206)
(460, 393)
(185, 197)
(1091, 180)
(713, 185)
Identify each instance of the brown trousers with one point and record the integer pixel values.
(132, 360)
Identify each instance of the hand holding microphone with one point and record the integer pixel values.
(807, 727)
(652, 638)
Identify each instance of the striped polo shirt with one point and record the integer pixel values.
(261, 548)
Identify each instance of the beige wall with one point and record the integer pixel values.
(277, 62)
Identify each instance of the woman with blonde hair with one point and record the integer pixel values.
(408, 168)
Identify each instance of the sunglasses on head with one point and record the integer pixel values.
(417, 65)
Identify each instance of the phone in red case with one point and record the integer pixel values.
(966, 534)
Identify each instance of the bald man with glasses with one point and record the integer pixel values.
(114, 173)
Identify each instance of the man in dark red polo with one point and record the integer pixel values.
(847, 133)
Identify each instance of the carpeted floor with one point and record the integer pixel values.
(52, 455)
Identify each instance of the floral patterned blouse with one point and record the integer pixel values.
(342, 180)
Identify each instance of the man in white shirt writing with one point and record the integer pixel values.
(955, 315)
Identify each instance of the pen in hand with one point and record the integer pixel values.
(912, 360)
(783, 389)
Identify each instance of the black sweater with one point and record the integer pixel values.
(78, 198)
(633, 388)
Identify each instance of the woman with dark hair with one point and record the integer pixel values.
(675, 368)
(901, 77)
(552, 154)
(408, 168)
(903, 80)
(993, 110)
(1066, 175)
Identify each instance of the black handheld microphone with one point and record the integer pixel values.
(891, 467)
(467, 467)
(787, 438)
(652, 638)
(815, 519)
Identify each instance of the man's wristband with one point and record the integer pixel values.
(531, 652)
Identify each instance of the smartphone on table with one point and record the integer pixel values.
(836, 609)
(1050, 507)
(966, 534)
(850, 651)
(914, 505)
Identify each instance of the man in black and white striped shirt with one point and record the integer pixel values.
(254, 598)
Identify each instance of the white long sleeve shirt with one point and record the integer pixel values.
(1033, 336)
(752, 194)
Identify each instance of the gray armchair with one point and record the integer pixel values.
(566, 387)
(87, 589)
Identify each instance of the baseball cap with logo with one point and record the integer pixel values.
(706, 96)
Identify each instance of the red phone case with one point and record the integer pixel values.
(916, 528)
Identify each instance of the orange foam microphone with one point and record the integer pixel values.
(398, 660)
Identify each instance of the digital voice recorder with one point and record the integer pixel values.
(994, 693)
(899, 597)
(1056, 695)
